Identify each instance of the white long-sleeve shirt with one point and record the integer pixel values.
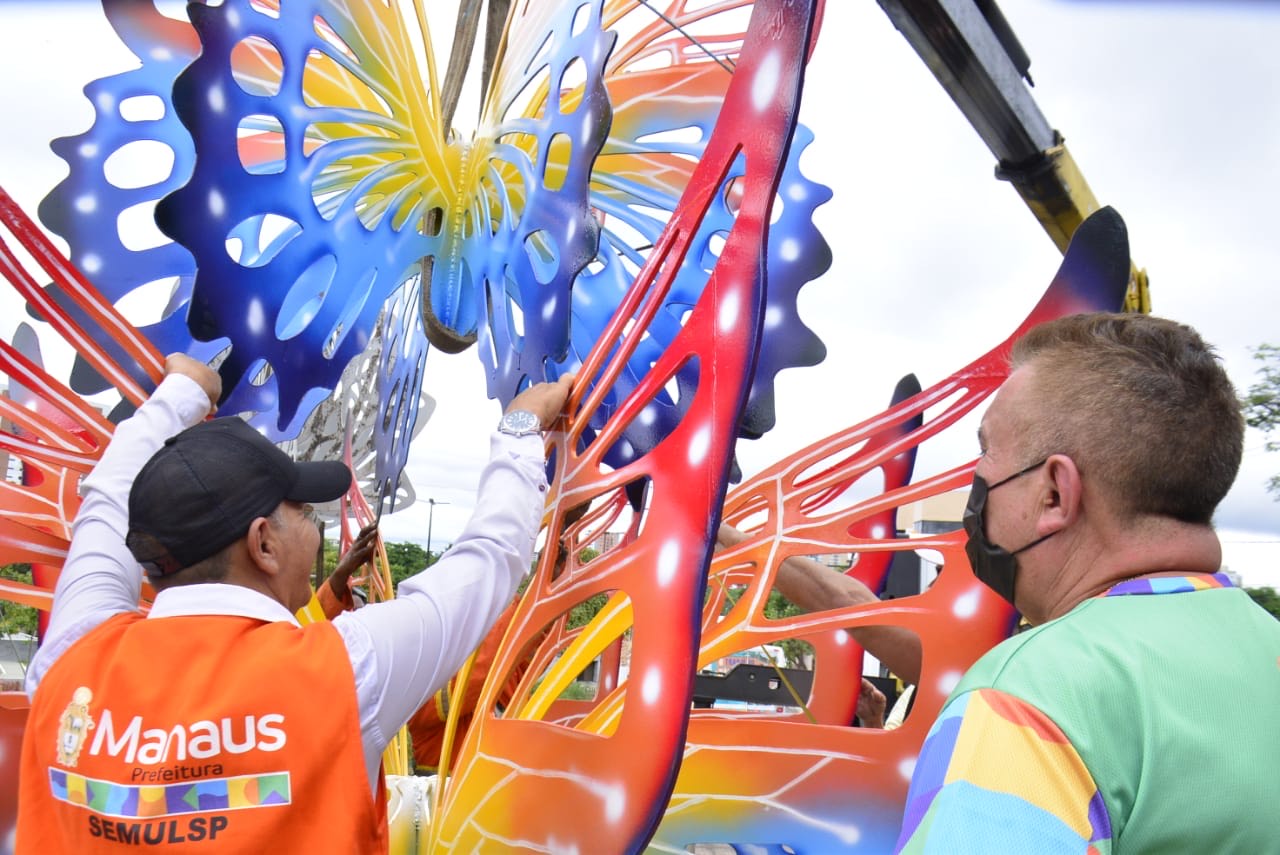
(401, 651)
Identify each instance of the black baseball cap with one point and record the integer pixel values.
(200, 491)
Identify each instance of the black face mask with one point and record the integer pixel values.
(995, 566)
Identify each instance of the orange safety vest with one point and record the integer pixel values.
(226, 734)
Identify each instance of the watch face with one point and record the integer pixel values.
(520, 422)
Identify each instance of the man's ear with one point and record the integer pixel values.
(263, 546)
(1063, 496)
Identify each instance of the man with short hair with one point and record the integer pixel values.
(1134, 714)
(215, 718)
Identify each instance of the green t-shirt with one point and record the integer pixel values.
(1133, 724)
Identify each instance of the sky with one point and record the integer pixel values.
(1171, 110)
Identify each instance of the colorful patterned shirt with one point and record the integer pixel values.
(1132, 724)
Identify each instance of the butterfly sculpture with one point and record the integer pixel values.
(304, 178)
(521, 783)
(808, 780)
(733, 187)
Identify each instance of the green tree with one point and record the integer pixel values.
(1267, 598)
(583, 612)
(405, 559)
(16, 618)
(778, 607)
(1261, 404)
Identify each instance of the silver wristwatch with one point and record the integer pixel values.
(520, 423)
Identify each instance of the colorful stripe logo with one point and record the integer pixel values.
(151, 801)
(1171, 584)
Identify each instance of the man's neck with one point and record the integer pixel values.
(1148, 548)
(245, 575)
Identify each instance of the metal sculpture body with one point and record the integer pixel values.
(656, 577)
(311, 179)
(753, 780)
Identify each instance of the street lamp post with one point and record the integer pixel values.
(431, 512)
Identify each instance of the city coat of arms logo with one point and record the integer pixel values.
(74, 726)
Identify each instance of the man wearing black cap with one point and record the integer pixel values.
(215, 718)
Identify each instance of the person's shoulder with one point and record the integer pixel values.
(1026, 658)
(1246, 618)
(988, 669)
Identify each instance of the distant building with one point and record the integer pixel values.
(765, 654)
(910, 573)
(836, 560)
(936, 514)
(15, 654)
(605, 542)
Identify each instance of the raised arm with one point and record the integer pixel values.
(816, 587)
(417, 641)
(335, 592)
(100, 577)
